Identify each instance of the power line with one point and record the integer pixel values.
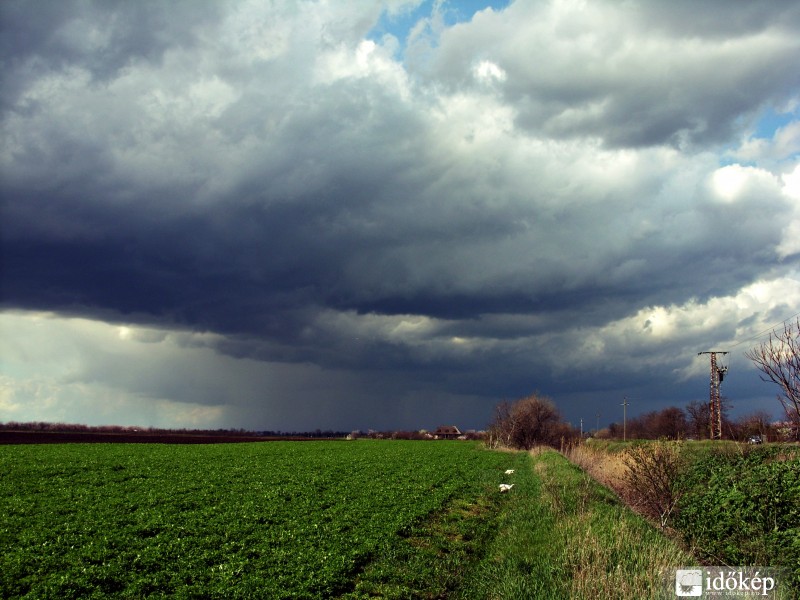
(767, 330)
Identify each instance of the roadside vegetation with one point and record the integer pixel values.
(743, 508)
(730, 503)
(725, 502)
(563, 535)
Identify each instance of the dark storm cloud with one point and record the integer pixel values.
(545, 176)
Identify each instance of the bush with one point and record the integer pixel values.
(743, 509)
(652, 478)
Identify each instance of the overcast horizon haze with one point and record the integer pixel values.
(392, 214)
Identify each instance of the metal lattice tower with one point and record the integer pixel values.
(714, 402)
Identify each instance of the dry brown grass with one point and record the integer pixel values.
(537, 450)
(606, 552)
(608, 468)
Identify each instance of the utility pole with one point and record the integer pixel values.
(714, 401)
(624, 418)
(596, 429)
(581, 427)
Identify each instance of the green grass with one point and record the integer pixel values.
(565, 536)
(270, 520)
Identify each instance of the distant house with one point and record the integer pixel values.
(447, 432)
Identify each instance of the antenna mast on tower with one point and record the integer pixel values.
(714, 402)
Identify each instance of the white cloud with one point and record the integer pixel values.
(57, 368)
(668, 337)
(51, 400)
(73, 369)
(487, 71)
(733, 182)
(790, 244)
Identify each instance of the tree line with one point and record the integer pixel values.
(535, 420)
(692, 422)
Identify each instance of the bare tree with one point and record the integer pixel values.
(668, 423)
(754, 424)
(501, 429)
(525, 423)
(779, 360)
(671, 423)
(698, 417)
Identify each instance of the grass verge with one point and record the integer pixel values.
(562, 535)
(433, 559)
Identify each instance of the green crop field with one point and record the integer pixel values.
(258, 520)
(327, 519)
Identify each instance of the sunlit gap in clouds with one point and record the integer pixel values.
(405, 20)
(82, 370)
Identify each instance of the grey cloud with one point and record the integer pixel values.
(627, 75)
(268, 256)
(721, 18)
(42, 37)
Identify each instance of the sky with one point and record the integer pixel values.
(293, 215)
